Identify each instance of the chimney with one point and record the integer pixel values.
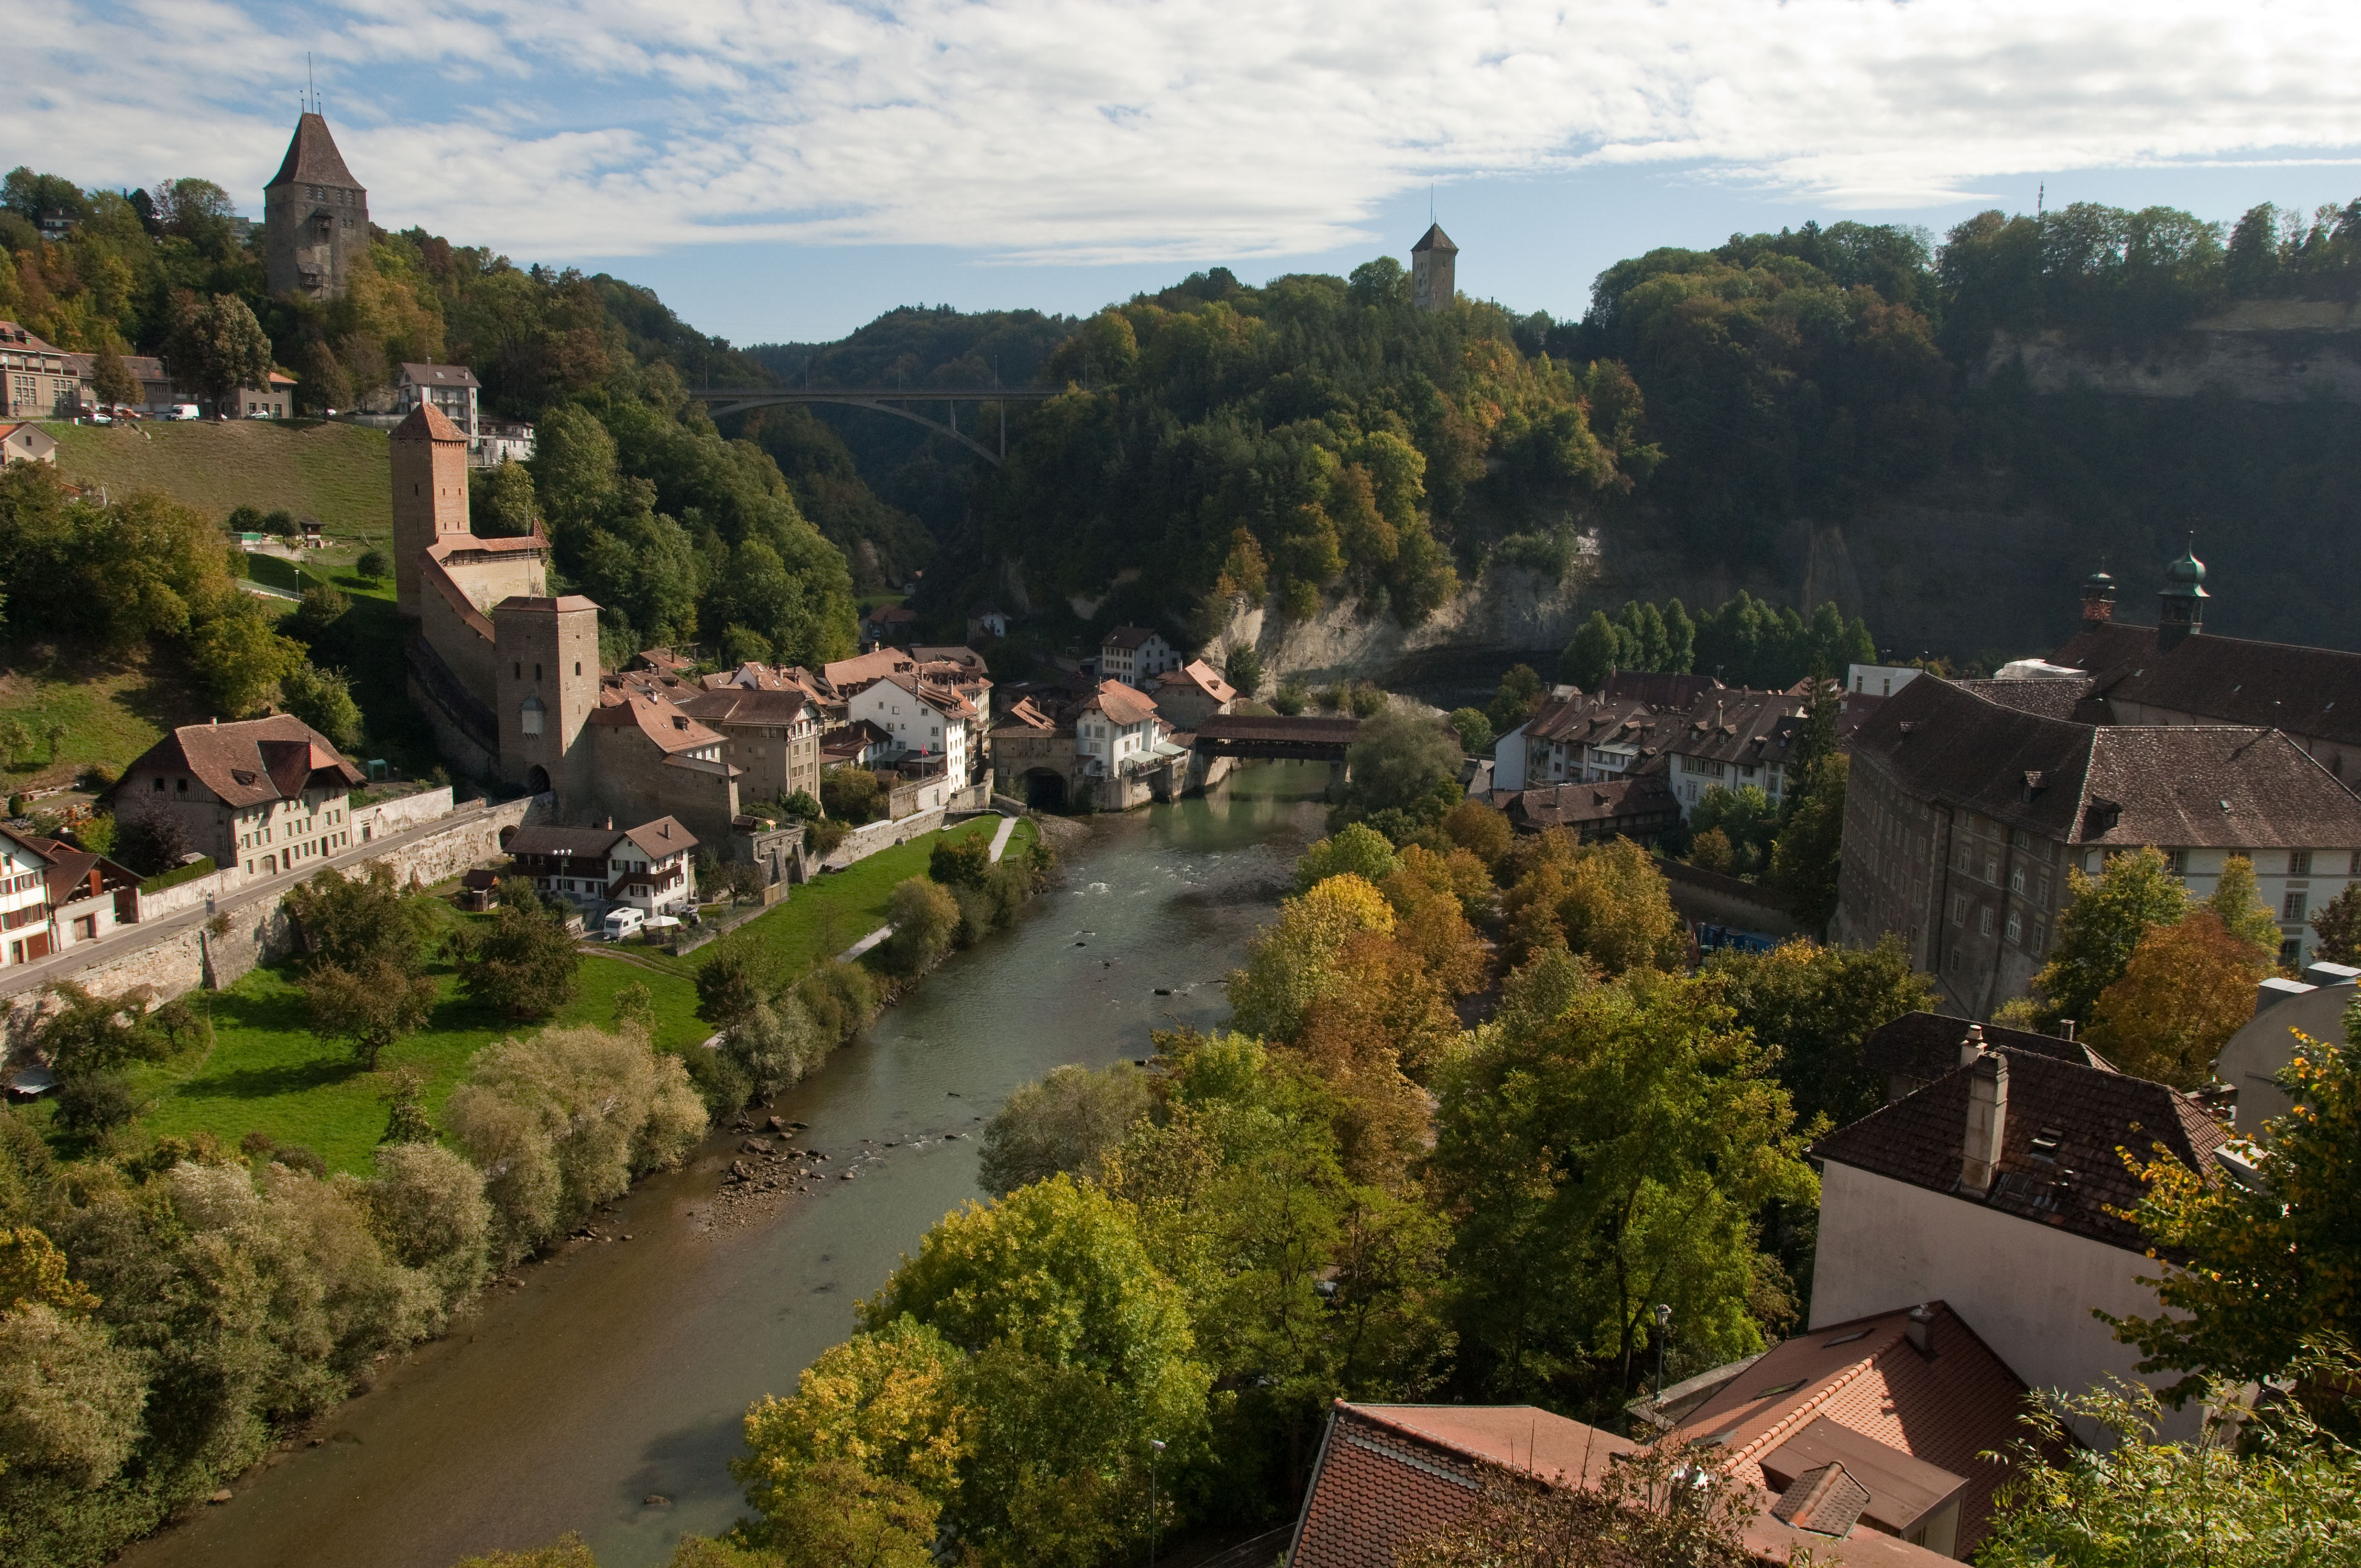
(1919, 1330)
(1971, 1045)
(1987, 1120)
(607, 824)
(2066, 1028)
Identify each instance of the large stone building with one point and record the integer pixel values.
(1433, 260)
(508, 674)
(314, 217)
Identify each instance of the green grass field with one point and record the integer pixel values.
(267, 1072)
(340, 474)
(112, 708)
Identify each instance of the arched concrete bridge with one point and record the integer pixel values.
(723, 401)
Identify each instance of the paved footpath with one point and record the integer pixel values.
(125, 940)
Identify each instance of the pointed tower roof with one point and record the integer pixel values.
(1435, 240)
(311, 158)
(427, 422)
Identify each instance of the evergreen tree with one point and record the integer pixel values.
(1593, 654)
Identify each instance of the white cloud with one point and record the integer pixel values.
(1092, 130)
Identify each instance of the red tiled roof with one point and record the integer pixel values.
(1826, 1396)
(427, 422)
(1121, 703)
(663, 837)
(246, 762)
(658, 719)
(1198, 674)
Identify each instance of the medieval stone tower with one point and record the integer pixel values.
(430, 495)
(1432, 287)
(314, 217)
(548, 673)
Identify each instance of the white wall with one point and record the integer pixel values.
(1509, 760)
(2026, 1289)
(2254, 1055)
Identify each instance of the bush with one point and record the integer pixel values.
(149, 842)
(324, 700)
(375, 564)
(426, 1208)
(801, 805)
(960, 863)
(564, 1122)
(1290, 699)
(1064, 1123)
(775, 1045)
(94, 1104)
(736, 976)
(853, 794)
(925, 917)
(843, 1000)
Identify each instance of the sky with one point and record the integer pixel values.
(786, 169)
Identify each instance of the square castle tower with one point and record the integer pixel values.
(314, 217)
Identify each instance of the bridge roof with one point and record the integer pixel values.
(1254, 727)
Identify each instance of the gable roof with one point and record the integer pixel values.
(968, 660)
(1129, 639)
(1202, 677)
(661, 838)
(1905, 1428)
(1633, 801)
(1751, 729)
(584, 843)
(658, 719)
(311, 158)
(1925, 1045)
(1023, 719)
(2061, 1138)
(1390, 1474)
(865, 667)
(246, 762)
(2198, 786)
(2232, 680)
(745, 704)
(428, 373)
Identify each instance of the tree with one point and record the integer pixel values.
(925, 917)
(371, 1005)
(242, 656)
(1063, 1122)
(1594, 654)
(1290, 962)
(522, 966)
(1476, 827)
(375, 564)
(89, 1040)
(1814, 1006)
(852, 793)
(70, 1398)
(324, 700)
(1476, 737)
(112, 380)
(216, 346)
(2238, 904)
(1243, 670)
(2104, 920)
(960, 863)
(501, 500)
(2266, 1490)
(1606, 901)
(738, 976)
(1711, 851)
(1806, 859)
(1399, 759)
(1655, 1508)
(149, 842)
(1604, 1147)
(2271, 1265)
(1521, 693)
(406, 1121)
(2187, 988)
(1354, 848)
(1743, 816)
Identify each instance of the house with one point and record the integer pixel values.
(1116, 731)
(2251, 1060)
(1662, 690)
(275, 401)
(1572, 738)
(89, 895)
(1192, 694)
(1969, 801)
(28, 443)
(857, 744)
(266, 795)
(2000, 1187)
(39, 380)
(1913, 1050)
(923, 718)
(1390, 1476)
(1908, 1401)
(647, 868)
(1733, 738)
(1878, 680)
(156, 394)
(1641, 809)
(986, 621)
(451, 390)
(499, 441)
(25, 932)
(887, 623)
(1135, 655)
(1033, 755)
(771, 735)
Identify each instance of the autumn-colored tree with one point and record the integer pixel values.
(2186, 989)
(1382, 1014)
(1479, 829)
(1606, 901)
(2107, 916)
(2272, 1264)
(1430, 896)
(1711, 851)
(1356, 848)
(1290, 963)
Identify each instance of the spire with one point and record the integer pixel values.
(2181, 605)
(311, 158)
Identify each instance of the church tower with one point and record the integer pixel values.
(314, 217)
(2180, 608)
(430, 495)
(1432, 287)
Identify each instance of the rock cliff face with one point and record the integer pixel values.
(2266, 351)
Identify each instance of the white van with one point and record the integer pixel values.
(625, 922)
(182, 411)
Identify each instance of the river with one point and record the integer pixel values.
(619, 1373)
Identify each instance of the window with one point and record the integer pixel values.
(1959, 909)
(2291, 952)
(2015, 929)
(2016, 879)
(2293, 910)
(2177, 861)
(1984, 922)
(1991, 869)
(160, 789)
(529, 716)
(2299, 862)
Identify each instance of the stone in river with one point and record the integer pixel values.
(756, 1146)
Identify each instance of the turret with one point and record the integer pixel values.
(2180, 612)
(2098, 600)
(1432, 261)
(430, 495)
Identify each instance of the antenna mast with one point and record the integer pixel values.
(311, 82)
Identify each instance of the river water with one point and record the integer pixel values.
(620, 1371)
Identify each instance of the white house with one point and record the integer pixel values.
(24, 900)
(1997, 1187)
(1878, 680)
(1135, 655)
(53, 896)
(1114, 730)
(924, 720)
(647, 868)
(28, 443)
(452, 389)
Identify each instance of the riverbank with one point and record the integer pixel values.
(620, 1370)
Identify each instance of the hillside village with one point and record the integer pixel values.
(2052, 920)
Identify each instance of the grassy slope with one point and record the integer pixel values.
(267, 1072)
(112, 708)
(340, 474)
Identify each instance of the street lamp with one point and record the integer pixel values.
(1664, 1329)
(1154, 1447)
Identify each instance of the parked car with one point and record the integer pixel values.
(623, 923)
(184, 411)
